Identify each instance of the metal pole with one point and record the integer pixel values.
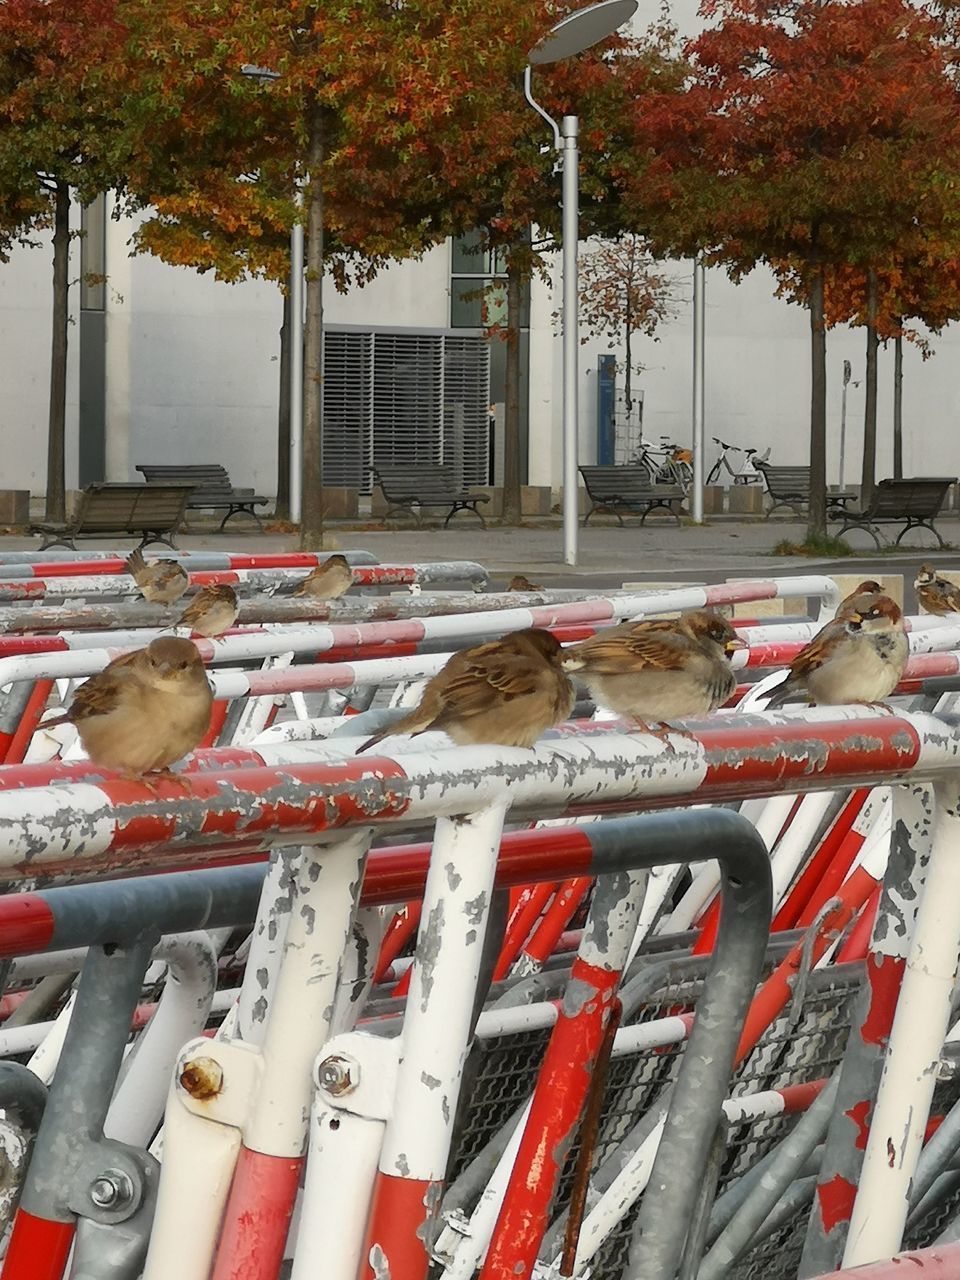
(571, 336)
(296, 362)
(698, 388)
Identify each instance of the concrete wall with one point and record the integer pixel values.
(193, 370)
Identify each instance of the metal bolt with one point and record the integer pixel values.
(111, 1190)
(202, 1078)
(338, 1075)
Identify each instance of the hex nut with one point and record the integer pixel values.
(338, 1075)
(111, 1190)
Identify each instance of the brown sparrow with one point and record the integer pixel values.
(659, 670)
(850, 603)
(144, 710)
(519, 583)
(328, 581)
(507, 692)
(211, 611)
(935, 593)
(859, 657)
(160, 581)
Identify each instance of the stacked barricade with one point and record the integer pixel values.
(599, 1059)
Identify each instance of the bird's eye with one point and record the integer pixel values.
(183, 666)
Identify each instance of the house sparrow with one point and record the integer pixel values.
(859, 657)
(935, 593)
(659, 670)
(519, 583)
(850, 603)
(507, 692)
(160, 581)
(328, 581)
(211, 611)
(145, 710)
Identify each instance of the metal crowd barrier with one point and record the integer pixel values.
(594, 1061)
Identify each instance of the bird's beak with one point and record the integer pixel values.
(571, 663)
(733, 645)
(855, 617)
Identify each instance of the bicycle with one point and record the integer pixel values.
(667, 464)
(743, 475)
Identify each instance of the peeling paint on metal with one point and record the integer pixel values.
(379, 1263)
(453, 877)
(428, 952)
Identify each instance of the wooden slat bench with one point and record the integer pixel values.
(425, 485)
(212, 489)
(153, 511)
(628, 490)
(790, 487)
(914, 502)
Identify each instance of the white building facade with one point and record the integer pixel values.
(187, 370)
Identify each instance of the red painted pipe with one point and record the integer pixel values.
(17, 747)
(528, 910)
(941, 1262)
(38, 1248)
(813, 875)
(551, 1126)
(858, 939)
(257, 1216)
(561, 911)
(399, 932)
(778, 988)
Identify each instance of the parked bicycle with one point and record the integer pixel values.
(745, 473)
(667, 463)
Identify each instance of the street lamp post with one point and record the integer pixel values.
(576, 32)
(295, 358)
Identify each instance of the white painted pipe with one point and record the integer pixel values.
(916, 1039)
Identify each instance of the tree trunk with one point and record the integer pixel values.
(817, 517)
(869, 467)
(283, 417)
(57, 425)
(898, 406)
(511, 409)
(311, 515)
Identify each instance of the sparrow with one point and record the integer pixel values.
(506, 692)
(849, 603)
(519, 583)
(144, 710)
(160, 581)
(328, 581)
(661, 669)
(935, 593)
(211, 611)
(859, 657)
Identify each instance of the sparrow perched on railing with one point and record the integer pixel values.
(859, 657)
(935, 593)
(211, 611)
(506, 691)
(858, 596)
(160, 581)
(328, 581)
(659, 669)
(519, 583)
(144, 710)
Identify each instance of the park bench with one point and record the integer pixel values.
(153, 511)
(425, 485)
(628, 490)
(914, 502)
(212, 489)
(790, 487)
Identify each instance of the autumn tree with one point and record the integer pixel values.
(818, 133)
(622, 294)
(63, 133)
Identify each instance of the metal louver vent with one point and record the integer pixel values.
(404, 397)
(347, 409)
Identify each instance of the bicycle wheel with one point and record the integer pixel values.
(714, 475)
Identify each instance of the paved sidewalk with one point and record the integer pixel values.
(660, 551)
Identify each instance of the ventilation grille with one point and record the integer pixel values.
(404, 398)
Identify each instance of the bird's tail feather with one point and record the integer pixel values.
(135, 562)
